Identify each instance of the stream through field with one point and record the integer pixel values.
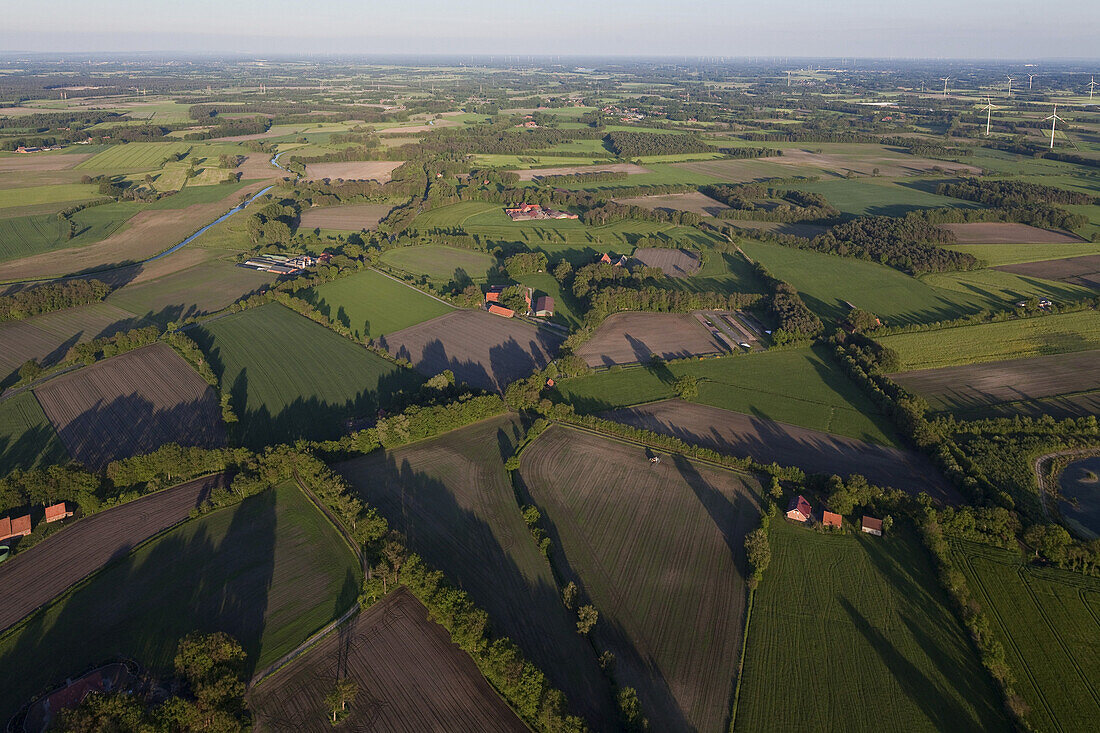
(219, 220)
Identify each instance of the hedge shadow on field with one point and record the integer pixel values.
(141, 606)
(31, 449)
(131, 425)
(769, 441)
(478, 554)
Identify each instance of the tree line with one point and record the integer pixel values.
(37, 299)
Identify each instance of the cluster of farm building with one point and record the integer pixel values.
(21, 526)
(540, 307)
(800, 510)
(283, 265)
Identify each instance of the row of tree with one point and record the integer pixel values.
(32, 301)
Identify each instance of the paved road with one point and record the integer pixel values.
(37, 576)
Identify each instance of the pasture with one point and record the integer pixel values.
(269, 571)
(28, 235)
(372, 304)
(290, 378)
(131, 404)
(658, 549)
(453, 501)
(882, 197)
(1018, 338)
(409, 674)
(812, 393)
(567, 311)
(627, 338)
(1007, 233)
(1014, 254)
(439, 263)
(27, 439)
(1027, 386)
(482, 349)
(1049, 623)
(854, 620)
(358, 170)
(133, 157)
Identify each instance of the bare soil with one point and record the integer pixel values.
(132, 404)
(673, 262)
(410, 677)
(39, 162)
(693, 201)
(628, 168)
(629, 338)
(1083, 270)
(352, 217)
(769, 441)
(40, 574)
(1007, 233)
(482, 349)
(973, 386)
(356, 170)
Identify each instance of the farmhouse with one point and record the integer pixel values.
(544, 306)
(831, 519)
(15, 527)
(500, 310)
(528, 212)
(872, 526)
(57, 512)
(493, 296)
(799, 509)
(607, 259)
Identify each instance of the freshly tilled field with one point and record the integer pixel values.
(131, 404)
(627, 338)
(410, 677)
(673, 262)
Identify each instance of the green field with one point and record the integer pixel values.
(796, 386)
(440, 263)
(1014, 254)
(291, 378)
(1002, 289)
(882, 197)
(658, 549)
(1049, 623)
(373, 305)
(27, 439)
(270, 571)
(453, 501)
(826, 282)
(852, 633)
(56, 193)
(567, 311)
(133, 157)
(1014, 339)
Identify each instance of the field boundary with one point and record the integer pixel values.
(5, 633)
(399, 280)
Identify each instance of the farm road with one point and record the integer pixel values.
(37, 576)
(788, 445)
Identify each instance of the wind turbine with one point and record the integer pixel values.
(944, 80)
(1054, 119)
(988, 114)
(1010, 80)
(1092, 86)
(788, 78)
(1029, 78)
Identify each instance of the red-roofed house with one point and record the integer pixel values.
(492, 297)
(872, 526)
(57, 512)
(15, 527)
(500, 310)
(799, 509)
(605, 259)
(831, 519)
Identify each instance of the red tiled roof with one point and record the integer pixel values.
(830, 519)
(501, 311)
(492, 297)
(21, 525)
(872, 523)
(799, 503)
(57, 511)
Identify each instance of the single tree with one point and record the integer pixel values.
(587, 616)
(342, 695)
(569, 595)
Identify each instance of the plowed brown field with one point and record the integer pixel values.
(627, 338)
(410, 676)
(132, 404)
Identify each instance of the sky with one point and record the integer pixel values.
(986, 29)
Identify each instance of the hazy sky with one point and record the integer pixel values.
(1018, 29)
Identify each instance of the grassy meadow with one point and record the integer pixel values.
(290, 378)
(850, 632)
(373, 305)
(439, 263)
(809, 390)
(27, 439)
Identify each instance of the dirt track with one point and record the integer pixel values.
(411, 677)
(132, 404)
(769, 441)
(481, 349)
(46, 570)
(627, 338)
